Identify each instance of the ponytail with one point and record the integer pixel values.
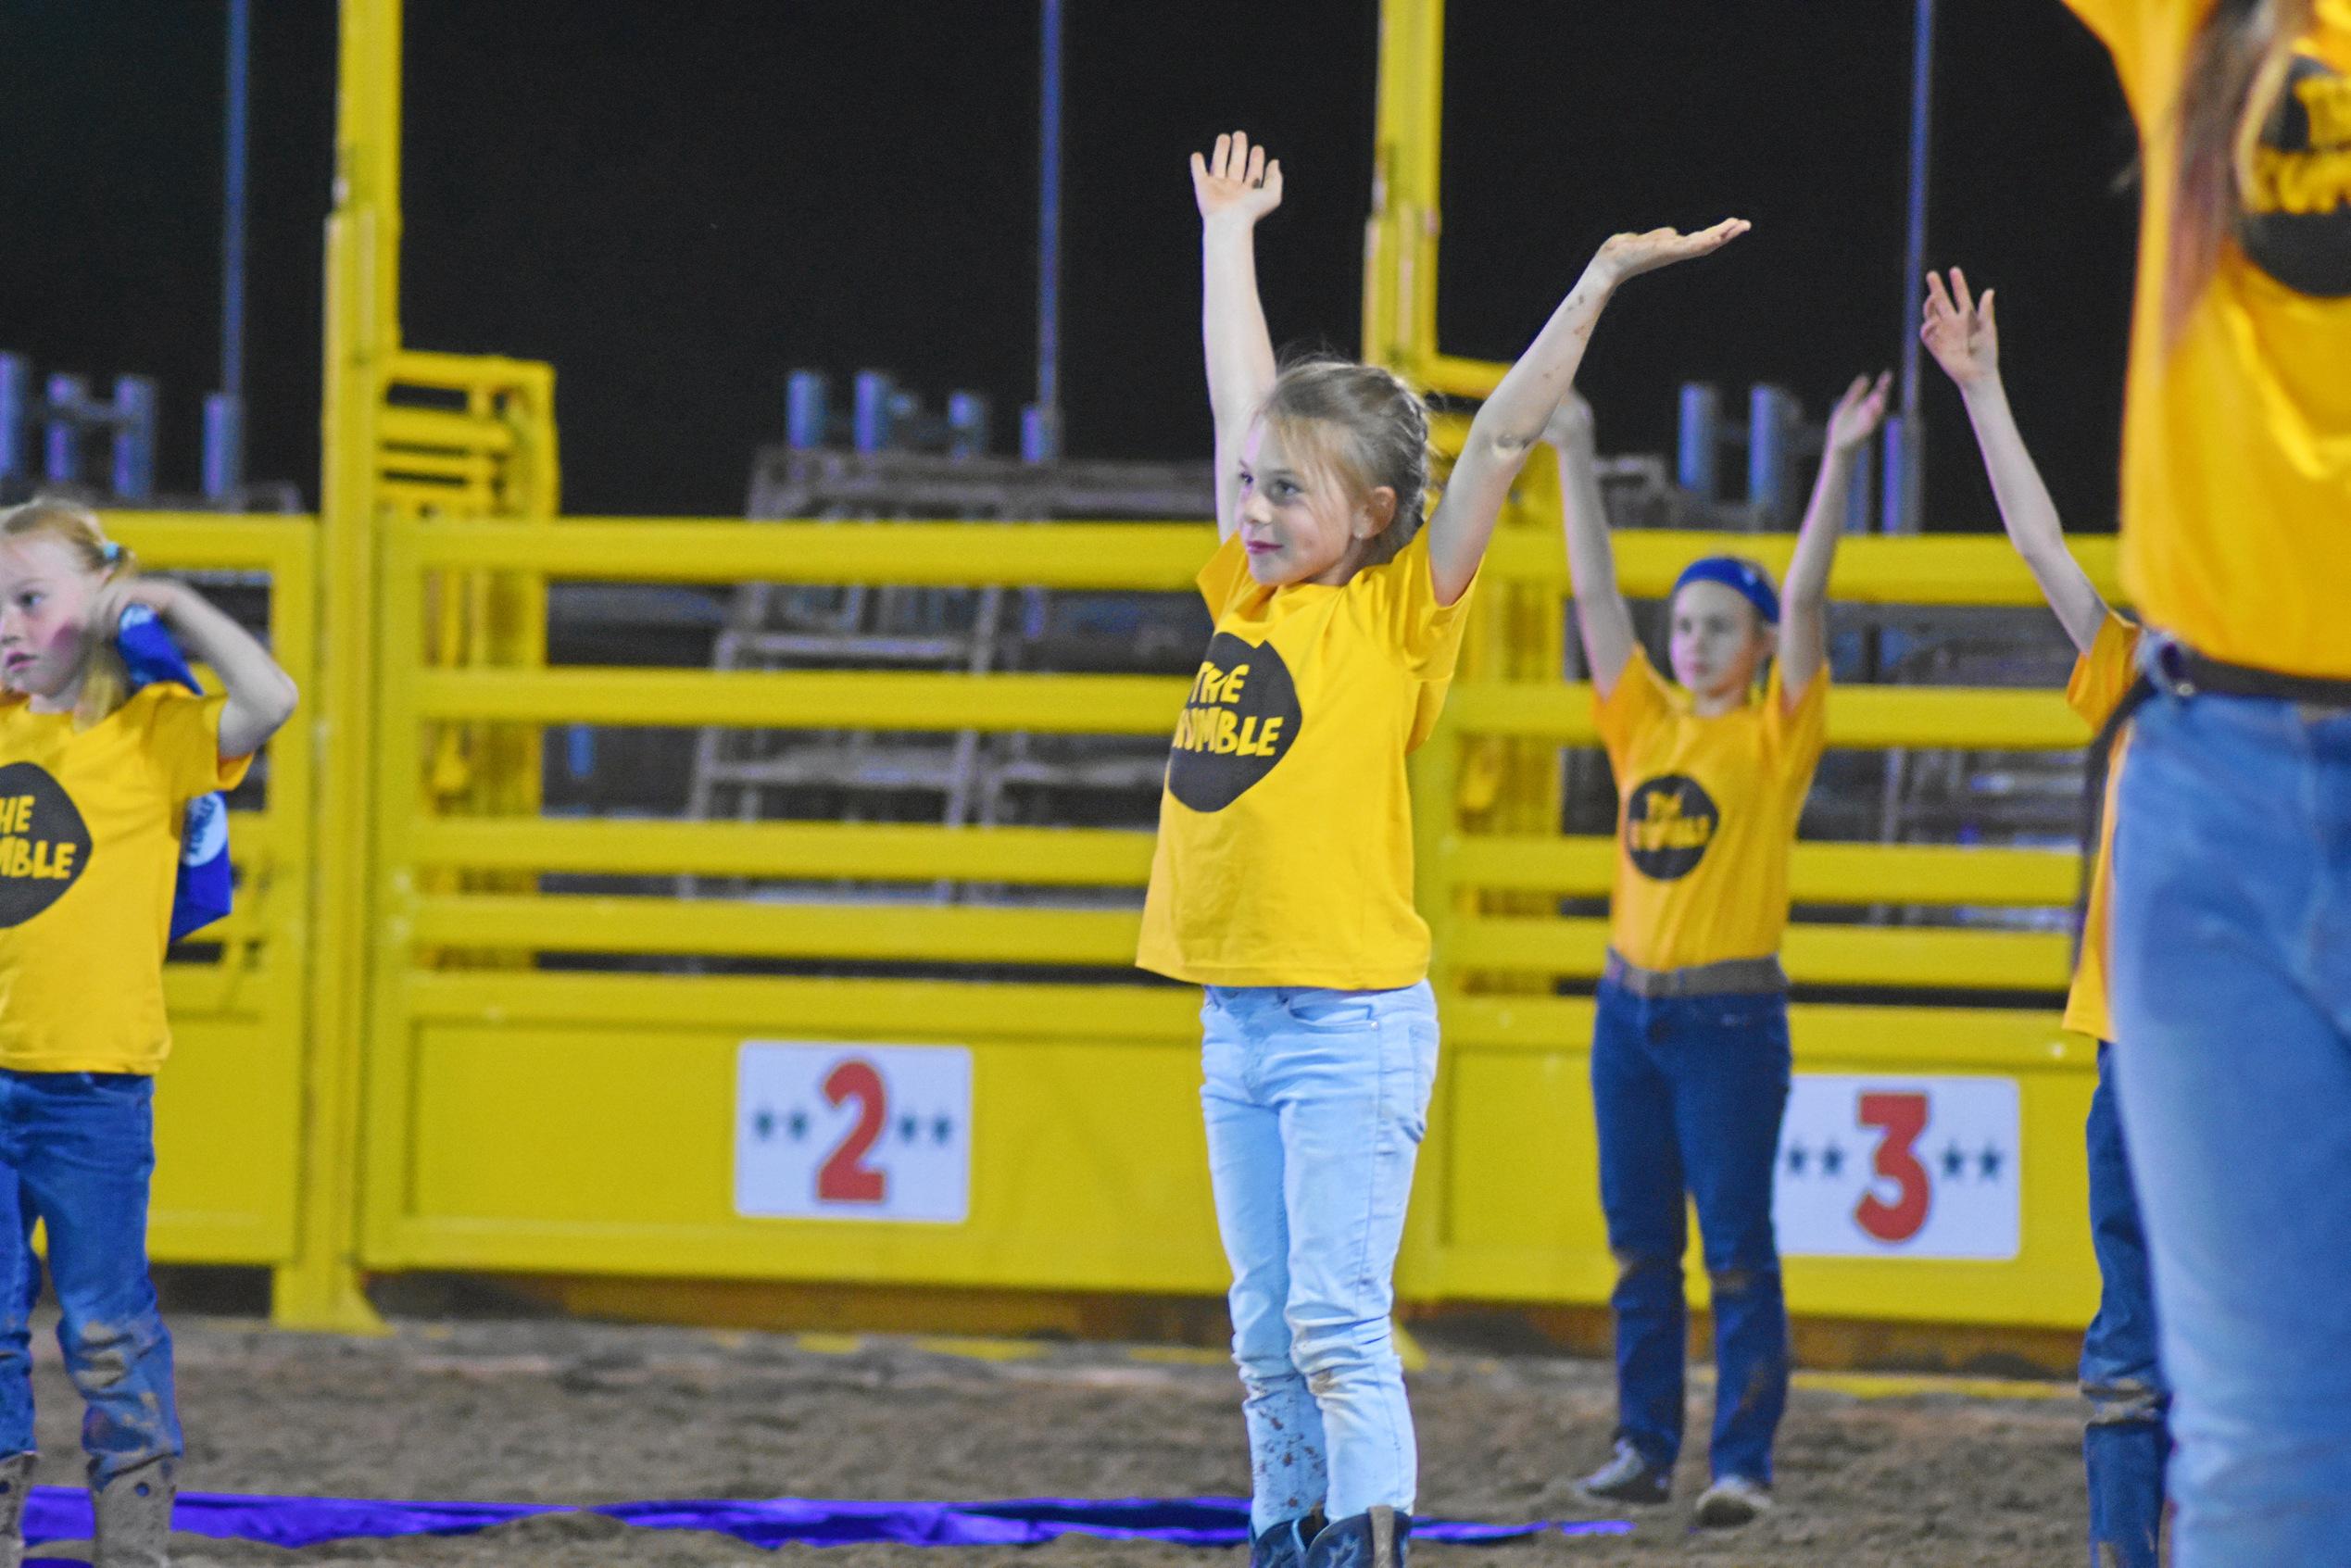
(2236, 69)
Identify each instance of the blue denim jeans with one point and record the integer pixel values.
(77, 1148)
(2127, 1438)
(2231, 962)
(1688, 1093)
(1315, 1102)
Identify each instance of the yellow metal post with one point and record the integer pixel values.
(320, 1288)
(1400, 240)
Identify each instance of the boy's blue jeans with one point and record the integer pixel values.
(1315, 1102)
(76, 1150)
(1689, 1092)
(2232, 958)
(2124, 1446)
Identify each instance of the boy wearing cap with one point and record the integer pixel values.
(1689, 1058)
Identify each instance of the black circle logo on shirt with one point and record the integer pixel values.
(2297, 225)
(1240, 719)
(1669, 822)
(44, 842)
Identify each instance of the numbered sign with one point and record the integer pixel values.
(833, 1132)
(1899, 1168)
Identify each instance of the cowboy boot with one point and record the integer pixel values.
(133, 1514)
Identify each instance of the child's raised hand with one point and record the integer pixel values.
(1959, 331)
(1628, 256)
(1858, 413)
(1570, 429)
(1235, 180)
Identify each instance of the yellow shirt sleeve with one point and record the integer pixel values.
(1224, 575)
(1397, 599)
(184, 737)
(2147, 39)
(2101, 675)
(1640, 700)
(1794, 738)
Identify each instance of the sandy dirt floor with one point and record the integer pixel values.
(568, 1413)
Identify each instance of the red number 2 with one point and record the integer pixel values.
(844, 1177)
(1904, 1116)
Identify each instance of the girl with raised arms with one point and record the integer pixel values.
(1282, 880)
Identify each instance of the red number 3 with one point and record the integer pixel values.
(1904, 1116)
(844, 1177)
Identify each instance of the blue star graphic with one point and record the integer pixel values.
(1955, 1162)
(1797, 1156)
(763, 1125)
(1832, 1159)
(908, 1128)
(799, 1125)
(1989, 1159)
(942, 1130)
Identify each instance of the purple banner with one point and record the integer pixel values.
(54, 1513)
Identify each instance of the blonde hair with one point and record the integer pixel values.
(1368, 428)
(2236, 68)
(105, 685)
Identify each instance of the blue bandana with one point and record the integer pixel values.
(1742, 577)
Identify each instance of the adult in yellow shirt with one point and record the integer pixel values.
(1691, 1055)
(2232, 925)
(2128, 1438)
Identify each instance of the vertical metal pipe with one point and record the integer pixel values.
(1914, 268)
(229, 458)
(1049, 236)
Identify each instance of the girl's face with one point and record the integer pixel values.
(47, 598)
(1299, 522)
(1718, 641)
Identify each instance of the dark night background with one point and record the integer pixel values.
(677, 204)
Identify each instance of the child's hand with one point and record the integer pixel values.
(1858, 413)
(1959, 331)
(121, 593)
(1570, 429)
(1236, 181)
(1628, 256)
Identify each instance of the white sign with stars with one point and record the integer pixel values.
(842, 1132)
(1875, 1167)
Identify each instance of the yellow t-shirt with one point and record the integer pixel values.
(1706, 813)
(1285, 853)
(90, 823)
(2236, 466)
(2100, 679)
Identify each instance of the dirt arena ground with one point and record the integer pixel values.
(568, 1413)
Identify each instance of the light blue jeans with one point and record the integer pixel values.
(1315, 1102)
(2231, 953)
(75, 1152)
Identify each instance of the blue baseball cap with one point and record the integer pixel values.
(1742, 577)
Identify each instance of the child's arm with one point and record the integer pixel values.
(261, 696)
(1803, 608)
(1960, 331)
(1600, 613)
(1512, 419)
(1234, 189)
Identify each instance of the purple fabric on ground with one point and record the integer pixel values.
(54, 1513)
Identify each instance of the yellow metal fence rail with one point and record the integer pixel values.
(520, 1115)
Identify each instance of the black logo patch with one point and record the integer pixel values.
(2297, 225)
(1240, 720)
(1669, 822)
(44, 842)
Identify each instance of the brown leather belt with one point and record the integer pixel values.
(1731, 977)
